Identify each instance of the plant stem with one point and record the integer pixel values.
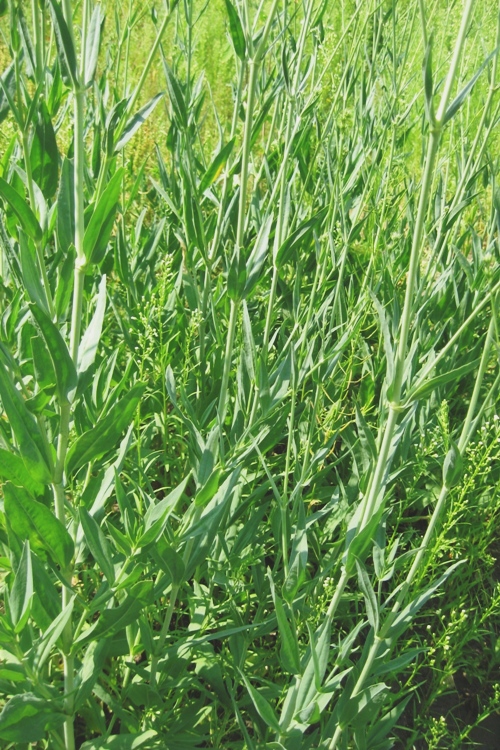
(419, 559)
(67, 636)
(233, 316)
(281, 228)
(376, 486)
(376, 482)
(163, 634)
(253, 65)
(172, 600)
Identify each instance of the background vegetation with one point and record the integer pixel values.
(249, 435)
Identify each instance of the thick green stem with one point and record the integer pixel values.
(79, 174)
(67, 636)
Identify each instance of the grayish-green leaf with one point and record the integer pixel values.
(22, 592)
(88, 346)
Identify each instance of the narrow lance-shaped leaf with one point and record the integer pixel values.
(42, 649)
(92, 665)
(13, 469)
(120, 741)
(42, 364)
(157, 515)
(428, 84)
(174, 563)
(386, 338)
(216, 166)
(452, 466)
(406, 616)
(93, 43)
(66, 206)
(314, 665)
(299, 237)
(99, 228)
(298, 558)
(66, 377)
(29, 58)
(64, 44)
(18, 204)
(90, 341)
(432, 384)
(461, 97)
(176, 95)
(97, 544)
(7, 86)
(289, 652)
(369, 596)
(21, 595)
(262, 706)
(47, 601)
(236, 30)
(31, 273)
(115, 619)
(258, 257)
(136, 121)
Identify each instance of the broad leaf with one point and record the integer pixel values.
(32, 520)
(26, 717)
(13, 469)
(120, 741)
(24, 428)
(44, 155)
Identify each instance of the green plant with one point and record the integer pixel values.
(244, 389)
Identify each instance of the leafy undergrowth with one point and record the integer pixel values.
(249, 441)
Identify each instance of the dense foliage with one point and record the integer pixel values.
(248, 375)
